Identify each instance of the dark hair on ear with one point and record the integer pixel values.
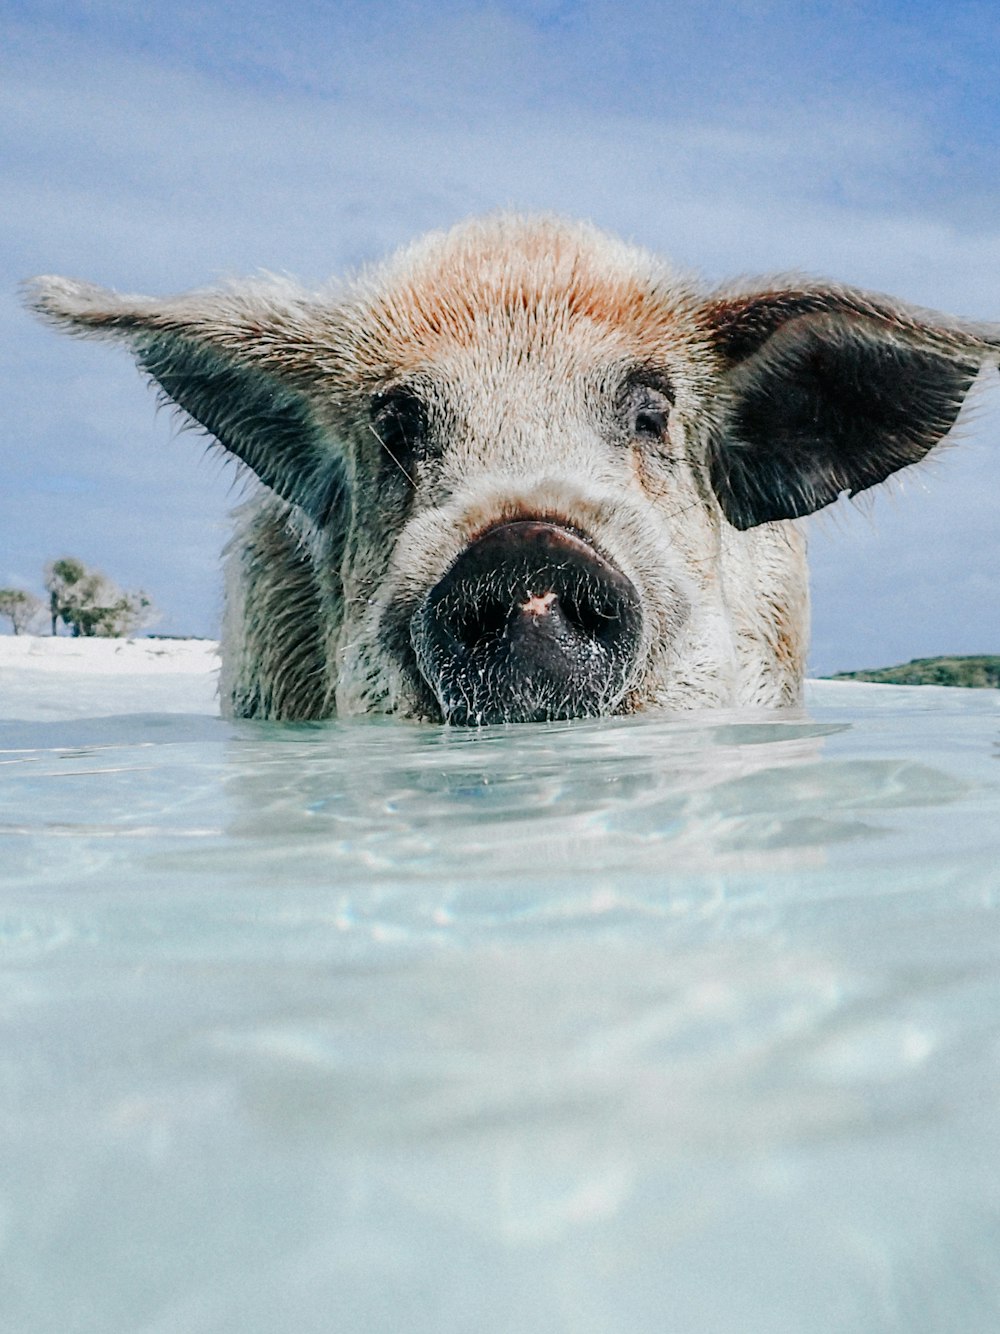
(830, 391)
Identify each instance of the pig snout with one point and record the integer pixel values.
(530, 623)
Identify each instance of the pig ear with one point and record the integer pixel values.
(830, 390)
(237, 361)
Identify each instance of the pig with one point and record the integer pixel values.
(524, 471)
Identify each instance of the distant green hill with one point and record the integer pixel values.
(982, 672)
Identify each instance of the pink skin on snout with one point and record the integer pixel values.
(538, 604)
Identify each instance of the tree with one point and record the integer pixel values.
(89, 603)
(23, 609)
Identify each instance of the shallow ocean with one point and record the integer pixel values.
(686, 1025)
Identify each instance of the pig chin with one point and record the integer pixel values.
(530, 623)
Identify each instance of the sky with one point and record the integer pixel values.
(158, 147)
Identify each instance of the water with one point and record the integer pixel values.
(661, 1024)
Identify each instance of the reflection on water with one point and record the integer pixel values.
(685, 1024)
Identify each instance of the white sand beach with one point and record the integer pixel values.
(48, 677)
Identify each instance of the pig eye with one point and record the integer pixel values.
(399, 419)
(651, 422)
(649, 410)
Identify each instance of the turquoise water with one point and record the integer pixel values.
(659, 1024)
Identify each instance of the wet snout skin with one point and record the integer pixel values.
(530, 623)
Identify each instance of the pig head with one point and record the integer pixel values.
(523, 471)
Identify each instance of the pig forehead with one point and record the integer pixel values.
(562, 310)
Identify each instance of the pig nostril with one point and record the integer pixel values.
(475, 622)
(594, 618)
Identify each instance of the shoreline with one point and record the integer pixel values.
(141, 656)
(55, 678)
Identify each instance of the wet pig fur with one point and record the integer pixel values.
(525, 471)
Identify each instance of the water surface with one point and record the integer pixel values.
(657, 1024)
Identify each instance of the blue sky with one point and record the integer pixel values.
(158, 147)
